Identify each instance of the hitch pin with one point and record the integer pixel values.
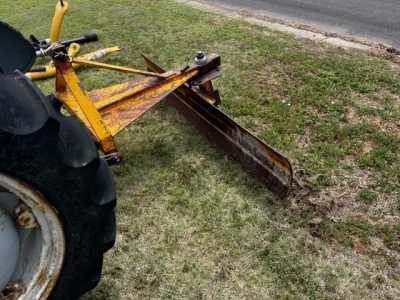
(185, 68)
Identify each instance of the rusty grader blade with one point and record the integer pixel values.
(263, 162)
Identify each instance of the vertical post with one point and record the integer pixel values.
(61, 8)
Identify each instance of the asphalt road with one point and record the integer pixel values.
(375, 20)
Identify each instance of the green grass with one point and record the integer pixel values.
(191, 223)
(348, 232)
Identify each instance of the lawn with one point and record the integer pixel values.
(191, 223)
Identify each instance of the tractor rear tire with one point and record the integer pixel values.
(54, 155)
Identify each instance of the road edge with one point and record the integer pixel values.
(300, 30)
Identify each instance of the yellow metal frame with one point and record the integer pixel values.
(107, 111)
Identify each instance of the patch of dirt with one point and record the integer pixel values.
(338, 196)
(340, 199)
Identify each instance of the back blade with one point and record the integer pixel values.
(263, 162)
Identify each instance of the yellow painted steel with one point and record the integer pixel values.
(61, 8)
(76, 101)
(117, 68)
(105, 51)
(107, 111)
(120, 110)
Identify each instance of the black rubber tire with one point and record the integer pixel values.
(56, 155)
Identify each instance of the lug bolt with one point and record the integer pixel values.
(12, 291)
(200, 58)
(25, 217)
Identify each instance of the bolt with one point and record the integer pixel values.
(200, 58)
(12, 291)
(25, 217)
(112, 158)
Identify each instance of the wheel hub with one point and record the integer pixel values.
(9, 250)
(35, 244)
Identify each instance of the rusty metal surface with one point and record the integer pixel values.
(24, 216)
(107, 111)
(13, 291)
(104, 96)
(263, 162)
(126, 102)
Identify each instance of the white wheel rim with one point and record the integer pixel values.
(41, 248)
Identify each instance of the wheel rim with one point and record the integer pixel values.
(35, 246)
